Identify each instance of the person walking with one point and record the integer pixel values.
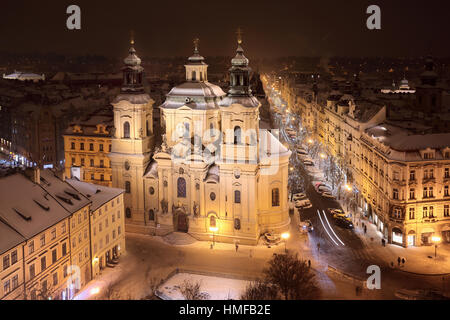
(309, 263)
(237, 247)
(399, 260)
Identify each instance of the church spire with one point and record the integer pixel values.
(239, 71)
(196, 68)
(133, 72)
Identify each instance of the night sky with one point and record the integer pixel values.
(271, 28)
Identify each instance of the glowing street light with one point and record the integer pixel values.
(323, 155)
(213, 230)
(348, 187)
(95, 291)
(310, 141)
(436, 240)
(285, 236)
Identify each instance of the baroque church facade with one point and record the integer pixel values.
(215, 174)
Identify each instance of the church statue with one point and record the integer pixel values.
(196, 209)
(164, 206)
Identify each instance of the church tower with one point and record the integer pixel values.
(429, 92)
(133, 139)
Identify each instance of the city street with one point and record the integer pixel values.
(343, 248)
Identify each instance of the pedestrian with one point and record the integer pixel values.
(403, 261)
(309, 263)
(399, 260)
(237, 247)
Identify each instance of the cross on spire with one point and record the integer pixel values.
(239, 35)
(196, 42)
(132, 37)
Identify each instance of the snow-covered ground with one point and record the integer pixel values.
(216, 288)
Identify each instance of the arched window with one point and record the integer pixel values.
(275, 197)
(194, 76)
(181, 188)
(151, 215)
(148, 128)
(237, 196)
(237, 135)
(126, 129)
(127, 187)
(212, 221)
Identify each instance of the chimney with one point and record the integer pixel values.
(60, 174)
(34, 174)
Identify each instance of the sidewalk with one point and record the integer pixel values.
(419, 260)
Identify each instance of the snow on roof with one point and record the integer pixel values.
(26, 207)
(194, 88)
(213, 173)
(405, 140)
(152, 170)
(246, 101)
(9, 238)
(99, 195)
(68, 197)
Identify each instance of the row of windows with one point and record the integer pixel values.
(181, 193)
(427, 212)
(9, 259)
(91, 163)
(100, 225)
(107, 239)
(10, 284)
(43, 261)
(427, 193)
(91, 147)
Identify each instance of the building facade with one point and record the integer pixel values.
(87, 143)
(216, 174)
(398, 169)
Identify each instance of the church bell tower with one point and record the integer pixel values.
(132, 139)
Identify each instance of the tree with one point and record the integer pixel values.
(292, 277)
(191, 291)
(260, 290)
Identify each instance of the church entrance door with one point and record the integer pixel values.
(182, 222)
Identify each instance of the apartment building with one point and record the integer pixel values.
(87, 143)
(107, 223)
(45, 234)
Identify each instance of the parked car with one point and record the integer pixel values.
(323, 188)
(299, 196)
(271, 237)
(338, 213)
(308, 163)
(303, 204)
(302, 151)
(343, 223)
(328, 195)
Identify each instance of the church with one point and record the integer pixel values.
(216, 175)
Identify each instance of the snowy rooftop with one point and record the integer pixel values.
(9, 238)
(30, 214)
(99, 195)
(405, 140)
(68, 197)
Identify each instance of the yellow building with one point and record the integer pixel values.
(107, 222)
(87, 143)
(11, 263)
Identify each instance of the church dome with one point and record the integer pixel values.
(132, 59)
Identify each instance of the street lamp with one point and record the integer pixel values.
(436, 240)
(213, 230)
(310, 141)
(285, 236)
